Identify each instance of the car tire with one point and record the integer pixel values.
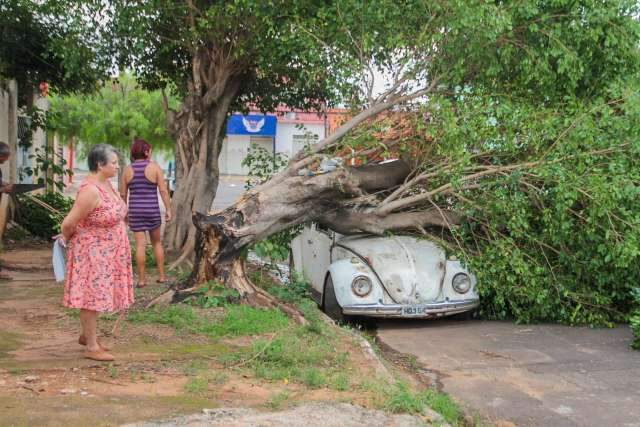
(330, 304)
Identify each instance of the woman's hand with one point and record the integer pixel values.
(60, 238)
(167, 215)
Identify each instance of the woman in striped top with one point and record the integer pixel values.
(141, 181)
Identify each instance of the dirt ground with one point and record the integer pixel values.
(44, 379)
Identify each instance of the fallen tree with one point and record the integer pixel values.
(535, 189)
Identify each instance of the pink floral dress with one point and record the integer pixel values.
(98, 275)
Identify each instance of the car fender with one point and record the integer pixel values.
(343, 272)
(454, 267)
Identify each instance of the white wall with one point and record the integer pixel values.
(285, 133)
(9, 125)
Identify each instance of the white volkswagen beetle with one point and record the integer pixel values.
(395, 276)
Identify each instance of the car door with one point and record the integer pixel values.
(317, 243)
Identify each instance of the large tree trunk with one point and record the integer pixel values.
(324, 198)
(198, 128)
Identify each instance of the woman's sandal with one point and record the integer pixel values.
(100, 356)
(141, 285)
(162, 281)
(83, 341)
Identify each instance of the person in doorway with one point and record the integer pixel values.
(139, 185)
(98, 275)
(5, 153)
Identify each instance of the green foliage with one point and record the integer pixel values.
(294, 292)
(48, 164)
(149, 258)
(634, 319)
(40, 221)
(212, 294)
(120, 110)
(555, 238)
(262, 165)
(54, 42)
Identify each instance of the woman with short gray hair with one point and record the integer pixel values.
(98, 274)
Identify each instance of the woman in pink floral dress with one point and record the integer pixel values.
(98, 275)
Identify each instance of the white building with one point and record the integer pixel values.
(284, 132)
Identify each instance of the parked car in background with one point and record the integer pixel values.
(391, 276)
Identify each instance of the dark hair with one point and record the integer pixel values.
(140, 149)
(99, 156)
(5, 150)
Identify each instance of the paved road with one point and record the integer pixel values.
(531, 375)
(230, 187)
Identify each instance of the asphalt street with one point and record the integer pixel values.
(530, 375)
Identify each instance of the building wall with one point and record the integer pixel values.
(291, 137)
(9, 125)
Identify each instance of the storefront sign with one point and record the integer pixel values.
(253, 124)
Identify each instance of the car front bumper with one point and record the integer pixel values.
(436, 309)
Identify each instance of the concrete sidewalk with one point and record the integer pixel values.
(531, 375)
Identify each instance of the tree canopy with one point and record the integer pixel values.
(115, 114)
(53, 42)
(518, 153)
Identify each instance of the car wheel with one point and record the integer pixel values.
(330, 304)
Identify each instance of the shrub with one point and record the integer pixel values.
(38, 220)
(634, 319)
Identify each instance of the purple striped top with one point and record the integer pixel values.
(144, 210)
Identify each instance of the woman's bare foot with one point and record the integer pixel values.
(99, 355)
(82, 340)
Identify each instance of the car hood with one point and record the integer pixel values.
(411, 270)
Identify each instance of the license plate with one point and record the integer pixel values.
(414, 310)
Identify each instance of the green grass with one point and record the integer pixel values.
(238, 320)
(112, 370)
(9, 341)
(276, 401)
(339, 382)
(194, 367)
(400, 399)
(197, 385)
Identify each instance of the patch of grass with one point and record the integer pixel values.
(238, 320)
(443, 404)
(112, 370)
(276, 401)
(16, 371)
(294, 354)
(72, 312)
(9, 341)
(244, 320)
(213, 294)
(218, 377)
(313, 378)
(179, 316)
(194, 367)
(339, 382)
(400, 399)
(197, 385)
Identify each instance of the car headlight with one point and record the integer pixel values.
(461, 283)
(361, 286)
